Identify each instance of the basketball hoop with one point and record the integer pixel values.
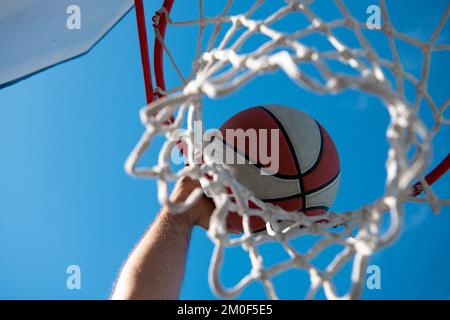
(221, 68)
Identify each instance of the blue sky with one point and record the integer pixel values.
(65, 198)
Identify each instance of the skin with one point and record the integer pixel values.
(155, 268)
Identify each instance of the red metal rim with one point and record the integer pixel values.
(158, 48)
(159, 23)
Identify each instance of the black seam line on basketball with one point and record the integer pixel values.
(294, 155)
(324, 185)
(260, 166)
(257, 164)
(318, 207)
(319, 157)
(259, 230)
(304, 194)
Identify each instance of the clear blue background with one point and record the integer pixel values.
(65, 198)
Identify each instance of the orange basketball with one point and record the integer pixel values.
(307, 178)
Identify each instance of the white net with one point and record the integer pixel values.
(222, 67)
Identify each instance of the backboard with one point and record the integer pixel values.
(35, 35)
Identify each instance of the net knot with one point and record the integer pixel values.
(259, 274)
(388, 29)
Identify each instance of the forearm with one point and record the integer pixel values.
(155, 269)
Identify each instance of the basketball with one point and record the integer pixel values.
(307, 175)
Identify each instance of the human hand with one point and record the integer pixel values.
(201, 211)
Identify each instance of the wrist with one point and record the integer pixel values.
(181, 192)
(200, 211)
(185, 219)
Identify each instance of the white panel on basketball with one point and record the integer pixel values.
(324, 196)
(249, 175)
(303, 132)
